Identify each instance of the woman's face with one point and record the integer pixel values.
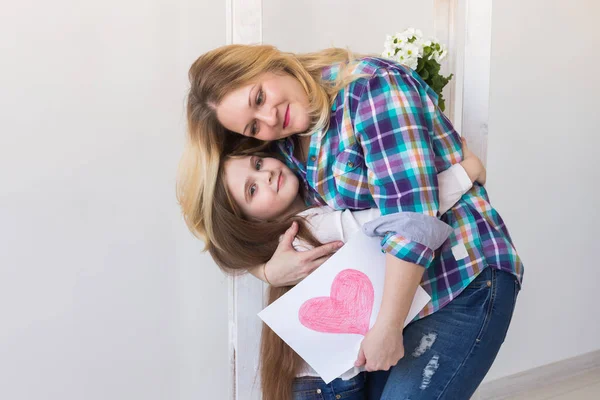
(273, 107)
(264, 188)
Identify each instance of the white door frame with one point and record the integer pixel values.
(465, 27)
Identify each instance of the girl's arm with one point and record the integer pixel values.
(459, 178)
(287, 267)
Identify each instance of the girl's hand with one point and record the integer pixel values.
(381, 348)
(288, 267)
(472, 164)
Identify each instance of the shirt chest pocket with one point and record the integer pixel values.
(347, 161)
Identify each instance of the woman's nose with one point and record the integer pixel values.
(268, 115)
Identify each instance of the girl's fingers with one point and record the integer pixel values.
(325, 250)
(318, 262)
(290, 234)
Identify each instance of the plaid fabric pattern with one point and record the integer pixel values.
(386, 142)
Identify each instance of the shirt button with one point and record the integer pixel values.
(313, 158)
(337, 396)
(489, 283)
(350, 164)
(319, 391)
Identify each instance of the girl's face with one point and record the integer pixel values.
(273, 107)
(264, 188)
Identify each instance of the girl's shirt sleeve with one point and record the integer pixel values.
(396, 121)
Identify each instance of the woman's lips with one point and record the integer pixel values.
(286, 119)
(279, 181)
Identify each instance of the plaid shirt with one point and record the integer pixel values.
(385, 144)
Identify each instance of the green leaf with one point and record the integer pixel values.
(442, 103)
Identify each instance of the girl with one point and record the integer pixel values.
(260, 195)
(364, 133)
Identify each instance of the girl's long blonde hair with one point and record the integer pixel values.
(215, 74)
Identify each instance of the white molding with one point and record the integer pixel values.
(475, 72)
(445, 32)
(536, 378)
(244, 25)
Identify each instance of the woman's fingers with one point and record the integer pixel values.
(361, 359)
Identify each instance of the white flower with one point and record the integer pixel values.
(440, 54)
(411, 63)
(389, 41)
(412, 50)
(399, 39)
(410, 32)
(407, 47)
(400, 57)
(443, 52)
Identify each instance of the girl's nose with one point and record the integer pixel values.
(266, 175)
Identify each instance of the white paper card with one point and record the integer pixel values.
(324, 317)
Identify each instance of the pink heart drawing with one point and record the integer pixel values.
(347, 310)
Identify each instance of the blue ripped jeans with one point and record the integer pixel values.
(313, 388)
(448, 353)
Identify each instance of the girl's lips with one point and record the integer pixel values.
(279, 181)
(286, 119)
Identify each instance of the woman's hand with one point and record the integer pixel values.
(472, 164)
(381, 348)
(288, 267)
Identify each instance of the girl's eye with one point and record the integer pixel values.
(258, 164)
(259, 97)
(253, 129)
(252, 190)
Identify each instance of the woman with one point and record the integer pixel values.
(367, 133)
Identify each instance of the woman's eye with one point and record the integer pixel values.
(253, 129)
(259, 97)
(252, 189)
(258, 164)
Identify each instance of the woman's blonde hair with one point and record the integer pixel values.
(215, 74)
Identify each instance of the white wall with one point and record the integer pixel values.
(543, 170)
(103, 292)
(314, 25)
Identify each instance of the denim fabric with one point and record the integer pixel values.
(313, 388)
(448, 353)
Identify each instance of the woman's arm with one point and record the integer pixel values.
(288, 266)
(396, 122)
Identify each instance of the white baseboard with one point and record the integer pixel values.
(538, 377)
